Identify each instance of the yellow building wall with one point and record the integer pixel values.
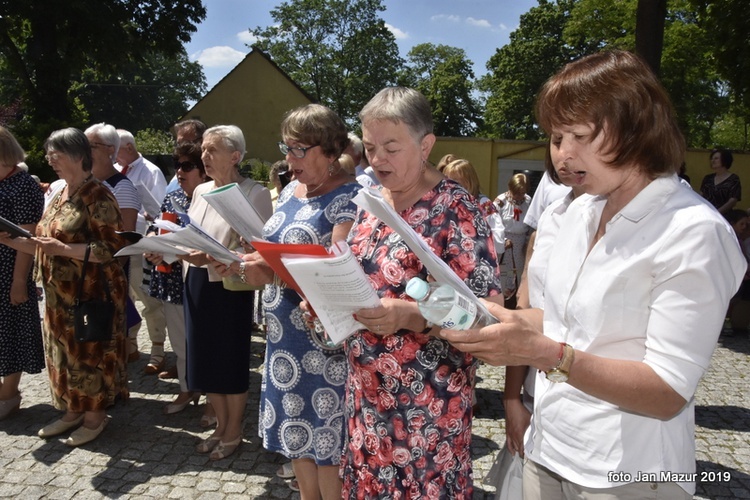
(484, 154)
(255, 96)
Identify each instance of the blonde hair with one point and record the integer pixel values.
(463, 172)
(445, 160)
(347, 163)
(518, 184)
(11, 153)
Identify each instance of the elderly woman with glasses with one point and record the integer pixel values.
(86, 377)
(409, 393)
(218, 321)
(166, 282)
(303, 380)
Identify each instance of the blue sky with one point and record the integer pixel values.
(477, 26)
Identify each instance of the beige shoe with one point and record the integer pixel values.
(59, 426)
(208, 444)
(84, 435)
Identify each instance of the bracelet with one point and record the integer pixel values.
(560, 356)
(242, 272)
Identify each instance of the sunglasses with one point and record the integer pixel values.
(185, 166)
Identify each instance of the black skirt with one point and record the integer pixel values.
(218, 323)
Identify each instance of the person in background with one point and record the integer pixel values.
(166, 283)
(626, 332)
(190, 130)
(105, 143)
(739, 306)
(512, 206)
(722, 188)
(463, 172)
(445, 160)
(86, 377)
(22, 203)
(218, 321)
(362, 171)
(141, 171)
(409, 393)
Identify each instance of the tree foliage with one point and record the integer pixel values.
(705, 61)
(49, 47)
(517, 70)
(444, 75)
(339, 51)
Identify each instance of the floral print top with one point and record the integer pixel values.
(409, 395)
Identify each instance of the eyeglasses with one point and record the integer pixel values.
(185, 166)
(95, 145)
(52, 156)
(297, 152)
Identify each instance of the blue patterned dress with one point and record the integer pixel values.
(302, 395)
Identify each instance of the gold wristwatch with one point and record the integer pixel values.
(561, 372)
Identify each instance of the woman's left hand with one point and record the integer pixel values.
(51, 246)
(388, 318)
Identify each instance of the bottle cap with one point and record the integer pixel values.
(417, 288)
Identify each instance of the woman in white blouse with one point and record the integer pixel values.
(634, 298)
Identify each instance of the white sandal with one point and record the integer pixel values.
(286, 471)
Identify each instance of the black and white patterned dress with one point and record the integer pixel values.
(21, 350)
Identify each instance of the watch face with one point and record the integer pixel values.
(557, 376)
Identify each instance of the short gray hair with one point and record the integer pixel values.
(231, 135)
(106, 133)
(126, 137)
(400, 105)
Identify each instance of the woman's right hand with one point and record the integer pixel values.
(517, 419)
(154, 258)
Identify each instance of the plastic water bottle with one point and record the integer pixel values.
(442, 305)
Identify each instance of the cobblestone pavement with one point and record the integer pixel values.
(145, 454)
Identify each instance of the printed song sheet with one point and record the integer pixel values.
(236, 209)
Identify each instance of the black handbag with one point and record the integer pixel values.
(93, 318)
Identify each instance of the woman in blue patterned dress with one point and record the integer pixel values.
(21, 202)
(301, 409)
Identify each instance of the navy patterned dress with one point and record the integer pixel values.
(21, 350)
(302, 393)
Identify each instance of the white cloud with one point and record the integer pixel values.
(446, 17)
(503, 27)
(218, 57)
(400, 35)
(481, 23)
(247, 37)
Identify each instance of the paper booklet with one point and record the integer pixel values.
(372, 201)
(14, 229)
(234, 207)
(332, 281)
(181, 240)
(151, 205)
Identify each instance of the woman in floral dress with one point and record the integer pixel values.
(408, 404)
(86, 377)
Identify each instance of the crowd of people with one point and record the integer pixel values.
(598, 282)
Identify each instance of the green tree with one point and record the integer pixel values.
(47, 44)
(516, 71)
(444, 75)
(338, 51)
(149, 94)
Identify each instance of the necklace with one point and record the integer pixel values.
(309, 191)
(60, 200)
(12, 171)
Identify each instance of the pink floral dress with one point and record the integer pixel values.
(408, 396)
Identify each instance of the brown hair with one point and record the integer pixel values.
(316, 125)
(445, 160)
(617, 91)
(464, 173)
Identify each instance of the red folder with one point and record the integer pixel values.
(272, 253)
